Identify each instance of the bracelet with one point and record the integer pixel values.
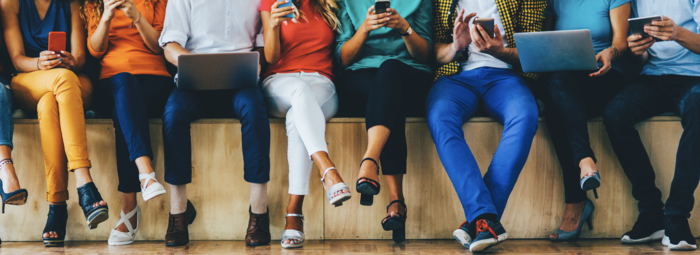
(616, 52)
(5, 162)
(132, 22)
(37, 64)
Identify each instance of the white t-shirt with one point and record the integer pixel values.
(483, 9)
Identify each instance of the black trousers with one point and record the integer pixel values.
(573, 99)
(644, 98)
(385, 96)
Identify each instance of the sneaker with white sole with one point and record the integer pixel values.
(488, 234)
(678, 236)
(463, 235)
(649, 227)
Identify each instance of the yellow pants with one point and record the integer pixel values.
(58, 95)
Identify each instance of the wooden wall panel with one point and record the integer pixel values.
(221, 196)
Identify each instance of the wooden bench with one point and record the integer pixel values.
(221, 195)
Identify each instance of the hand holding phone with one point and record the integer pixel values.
(637, 25)
(486, 24)
(287, 3)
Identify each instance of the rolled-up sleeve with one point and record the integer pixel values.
(176, 27)
(347, 29)
(424, 22)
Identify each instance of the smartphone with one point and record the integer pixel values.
(57, 41)
(637, 25)
(486, 24)
(282, 5)
(380, 6)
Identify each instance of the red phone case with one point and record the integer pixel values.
(57, 41)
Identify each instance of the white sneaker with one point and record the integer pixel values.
(122, 238)
(153, 190)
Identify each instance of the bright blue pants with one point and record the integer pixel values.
(452, 101)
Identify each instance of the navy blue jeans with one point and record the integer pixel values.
(7, 125)
(132, 100)
(573, 98)
(452, 101)
(184, 107)
(646, 97)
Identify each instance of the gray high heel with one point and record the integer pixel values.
(591, 182)
(586, 216)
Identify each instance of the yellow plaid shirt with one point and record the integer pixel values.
(517, 16)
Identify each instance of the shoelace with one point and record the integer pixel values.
(483, 226)
(256, 221)
(175, 222)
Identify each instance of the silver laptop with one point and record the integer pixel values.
(552, 51)
(218, 71)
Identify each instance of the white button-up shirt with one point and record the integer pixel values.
(213, 26)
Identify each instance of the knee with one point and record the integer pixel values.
(691, 100)
(121, 81)
(388, 73)
(175, 113)
(251, 104)
(614, 117)
(302, 91)
(442, 121)
(66, 79)
(47, 105)
(525, 120)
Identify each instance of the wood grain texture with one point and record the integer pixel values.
(417, 247)
(221, 196)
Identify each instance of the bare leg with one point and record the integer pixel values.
(143, 163)
(10, 182)
(128, 205)
(572, 217)
(82, 177)
(587, 166)
(323, 163)
(295, 204)
(395, 183)
(377, 137)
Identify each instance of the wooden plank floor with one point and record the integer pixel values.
(590, 246)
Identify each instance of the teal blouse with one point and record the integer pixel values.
(384, 43)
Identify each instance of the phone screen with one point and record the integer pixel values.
(380, 6)
(487, 25)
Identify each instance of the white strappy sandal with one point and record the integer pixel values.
(123, 238)
(336, 200)
(291, 234)
(153, 190)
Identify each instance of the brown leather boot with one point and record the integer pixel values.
(258, 229)
(178, 233)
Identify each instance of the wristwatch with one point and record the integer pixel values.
(409, 31)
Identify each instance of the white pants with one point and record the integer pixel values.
(307, 100)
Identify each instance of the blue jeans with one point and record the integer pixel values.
(642, 99)
(7, 125)
(131, 100)
(452, 101)
(184, 107)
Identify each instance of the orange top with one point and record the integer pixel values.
(126, 51)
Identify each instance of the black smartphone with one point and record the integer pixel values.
(486, 24)
(637, 25)
(380, 6)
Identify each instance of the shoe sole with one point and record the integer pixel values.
(175, 244)
(392, 224)
(53, 243)
(462, 237)
(366, 189)
(153, 195)
(338, 201)
(97, 217)
(292, 246)
(681, 246)
(658, 235)
(256, 244)
(483, 245)
(119, 243)
(19, 199)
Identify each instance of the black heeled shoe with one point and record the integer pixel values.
(591, 182)
(88, 196)
(56, 222)
(367, 187)
(17, 197)
(396, 223)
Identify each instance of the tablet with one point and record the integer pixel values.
(637, 25)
